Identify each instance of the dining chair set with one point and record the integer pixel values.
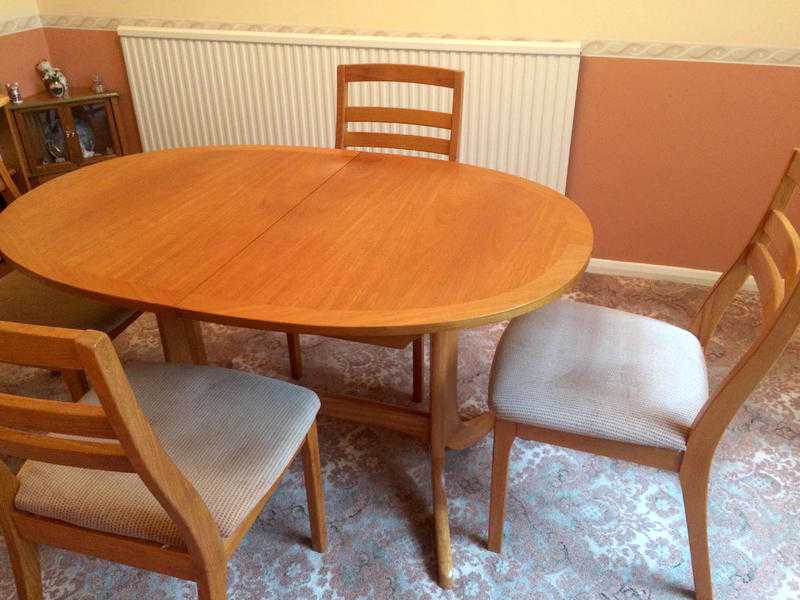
(166, 467)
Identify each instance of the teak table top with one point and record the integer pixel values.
(300, 239)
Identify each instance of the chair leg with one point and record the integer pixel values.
(76, 383)
(24, 557)
(315, 495)
(418, 369)
(213, 586)
(694, 485)
(295, 355)
(23, 554)
(504, 433)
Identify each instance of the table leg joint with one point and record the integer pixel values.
(470, 432)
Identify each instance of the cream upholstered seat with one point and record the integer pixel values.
(23, 299)
(600, 372)
(230, 433)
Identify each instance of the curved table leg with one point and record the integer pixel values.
(444, 370)
(470, 432)
(181, 339)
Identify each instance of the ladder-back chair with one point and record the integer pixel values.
(160, 467)
(628, 387)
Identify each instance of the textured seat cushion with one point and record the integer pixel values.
(230, 433)
(25, 300)
(600, 372)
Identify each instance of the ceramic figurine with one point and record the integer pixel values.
(56, 80)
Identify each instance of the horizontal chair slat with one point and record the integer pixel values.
(785, 241)
(408, 116)
(36, 346)
(398, 141)
(401, 73)
(768, 279)
(141, 554)
(104, 456)
(88, 420)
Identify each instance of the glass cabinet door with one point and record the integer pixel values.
(45, 139)
(94, 132)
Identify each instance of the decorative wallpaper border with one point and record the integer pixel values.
(757, 55)
(18, 24)
(694, 52)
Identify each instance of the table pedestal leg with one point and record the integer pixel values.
(181, 339)
(444, 369)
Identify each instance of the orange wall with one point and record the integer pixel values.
(672, 160)
(19, 54)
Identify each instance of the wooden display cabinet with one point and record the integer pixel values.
(55, 135)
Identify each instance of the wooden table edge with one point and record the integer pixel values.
(387, 330)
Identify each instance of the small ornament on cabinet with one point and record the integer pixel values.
(54, 78)
(98, 87)
(14, 93)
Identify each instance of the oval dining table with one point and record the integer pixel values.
(304, 240)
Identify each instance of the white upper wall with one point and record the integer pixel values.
(730, 22)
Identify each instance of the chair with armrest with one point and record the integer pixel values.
(633, 388)
(162, 467)
(346, 113)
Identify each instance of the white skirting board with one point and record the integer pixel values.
(601, 266)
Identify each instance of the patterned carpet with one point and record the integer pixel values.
(578, 526)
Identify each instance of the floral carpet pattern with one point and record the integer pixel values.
(578, 526)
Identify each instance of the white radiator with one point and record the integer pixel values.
(200, 87)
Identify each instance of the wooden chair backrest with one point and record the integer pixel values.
(124, 440)
(7, 183)
(772, 256)
(448, 78)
